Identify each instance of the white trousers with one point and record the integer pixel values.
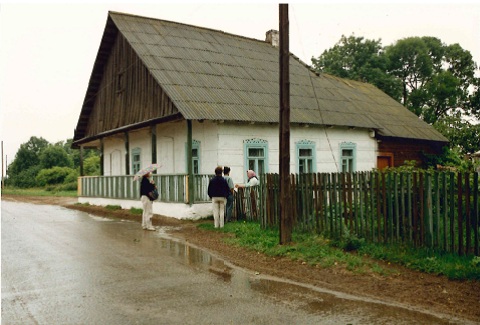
(218, 211)
(147, 212)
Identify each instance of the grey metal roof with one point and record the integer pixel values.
(212, 75)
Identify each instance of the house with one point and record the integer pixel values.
(159, 88)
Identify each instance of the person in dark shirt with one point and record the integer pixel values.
(218, 191)
(146, 187)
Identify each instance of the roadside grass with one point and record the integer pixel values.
(136, 211)
(349, 251)
(38, 192)
(310, 249)
(113, 207)
(86, 204)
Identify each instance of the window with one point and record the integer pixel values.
(306, 157)
(256, 155)
(195, 157)
(348, 156)
(136, 160)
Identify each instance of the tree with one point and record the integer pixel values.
(461, 133)
(27, 155)
(91, 166)
(360, 59)
(74, 154)
(55, 156)
(438, 80)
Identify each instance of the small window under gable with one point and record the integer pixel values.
(348, 157)
(195, 156)
(256, 155)
(306, 157)
(136, 160)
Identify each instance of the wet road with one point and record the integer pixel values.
(61, 266)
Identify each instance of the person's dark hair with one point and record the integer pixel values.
(226, 170)
(218, 171)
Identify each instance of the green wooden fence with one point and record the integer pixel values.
(431, 209)
(171, 188)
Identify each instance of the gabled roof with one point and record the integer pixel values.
(213, 75)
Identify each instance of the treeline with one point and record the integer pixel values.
(436, 81)
(54, 166)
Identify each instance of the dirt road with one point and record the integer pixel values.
(414, 289)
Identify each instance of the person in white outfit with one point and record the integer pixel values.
(218, 190)
(145, 188)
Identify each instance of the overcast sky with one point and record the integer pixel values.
(47, 51)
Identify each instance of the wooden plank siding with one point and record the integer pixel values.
(408, 149)
(127, 93)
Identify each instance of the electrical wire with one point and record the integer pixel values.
(314, 91)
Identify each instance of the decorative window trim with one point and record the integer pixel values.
(307, 144)
(136, 151)
(195, 145)
(254, 143)
(348, 145)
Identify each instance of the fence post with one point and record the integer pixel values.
(452, 211)
(445, 210)
(476, 216)
(460, 214)
(396, 208)
(409, 206)
(468, 222)
(437, 209)
(429, 211)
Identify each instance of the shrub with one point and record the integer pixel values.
(52, 176)
(72, 177)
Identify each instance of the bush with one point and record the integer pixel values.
(25, 179)
(52, 176)
(72, 177)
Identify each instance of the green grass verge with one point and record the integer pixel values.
(113, 207)
(86, 204)
(38, 192)
(315, 250)
(312, 249)
(136, 211)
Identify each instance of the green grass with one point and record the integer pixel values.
(426, 260)
(315, 250)
(86, 204)
(136, 211)
(38, 192)
(312, 249)
(113, 207)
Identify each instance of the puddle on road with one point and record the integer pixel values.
(334, 307)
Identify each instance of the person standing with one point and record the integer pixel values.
(145, 188)
(218, 191)
(252, 179)
(226, 175)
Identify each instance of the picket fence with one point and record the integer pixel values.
(425, 209)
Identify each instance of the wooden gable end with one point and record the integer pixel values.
(127, 94)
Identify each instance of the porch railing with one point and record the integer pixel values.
(171, 188)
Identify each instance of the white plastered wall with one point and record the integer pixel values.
(231, 139)
(171, 139)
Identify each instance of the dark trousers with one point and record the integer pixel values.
(229, 208)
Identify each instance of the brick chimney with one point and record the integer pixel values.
(272, 37)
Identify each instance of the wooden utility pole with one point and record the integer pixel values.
(284, 137)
